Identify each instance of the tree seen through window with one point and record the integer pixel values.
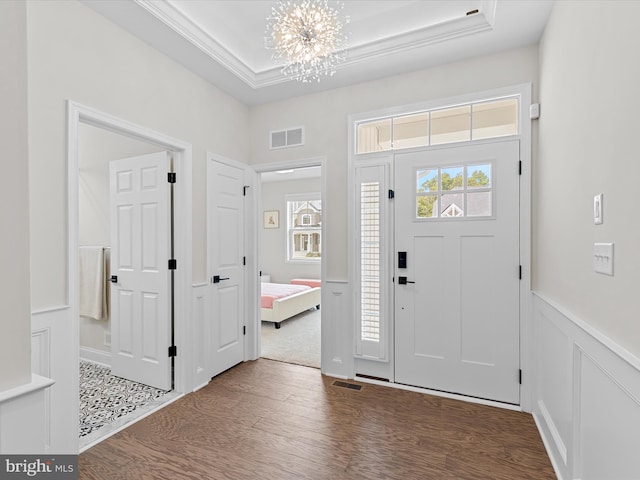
(441, 191)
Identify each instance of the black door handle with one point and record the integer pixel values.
(404, 281)
(114, 279)
(217, 279)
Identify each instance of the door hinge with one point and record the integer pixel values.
(520, 167)
(391, 194)
(244, 261)
(244, 329)
(171, 177)
(173, 264)
(520, 376)
(173, 351)
(520, 272)
(244, 190)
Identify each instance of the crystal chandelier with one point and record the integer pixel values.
(308, 35)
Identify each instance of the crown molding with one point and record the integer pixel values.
(187, 29)
(450, 30)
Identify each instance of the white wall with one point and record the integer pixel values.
(273, 248)
(15, 332)
(76, 54)
(588, 130)
(96, 148)
(586, 338)
(324, 116)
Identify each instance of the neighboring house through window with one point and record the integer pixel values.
(304, 225)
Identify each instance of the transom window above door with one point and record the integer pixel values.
(461, 123)
(456, 191)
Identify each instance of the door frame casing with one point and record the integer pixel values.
(182, 155)
(524, 91)
(256, 346)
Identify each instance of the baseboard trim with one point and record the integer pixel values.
(95, 356)
(547, 445)
(551, 427)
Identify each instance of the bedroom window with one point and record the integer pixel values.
(304, 227)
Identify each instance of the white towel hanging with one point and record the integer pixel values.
(92, 282)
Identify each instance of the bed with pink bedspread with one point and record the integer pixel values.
(281, 301)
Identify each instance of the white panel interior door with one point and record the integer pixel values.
(140, 250)
(226, 244)
(457, 217)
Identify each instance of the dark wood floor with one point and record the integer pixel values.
(271, 420)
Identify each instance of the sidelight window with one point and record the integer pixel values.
(372, 264)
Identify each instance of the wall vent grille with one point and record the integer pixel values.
(291, 137)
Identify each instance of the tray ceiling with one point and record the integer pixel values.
(223, 41)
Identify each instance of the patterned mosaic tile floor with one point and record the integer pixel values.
(105, 398)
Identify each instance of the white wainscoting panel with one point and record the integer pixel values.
(22, 418)
(554, 382)
(607, 419)
(54, 348)
(202, 333)
(587, 398)
(337, 330)
(40, 365)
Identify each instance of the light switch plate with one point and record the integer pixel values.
(597, 209)
(603, 258)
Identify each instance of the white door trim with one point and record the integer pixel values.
(77, 114)
(254, 326)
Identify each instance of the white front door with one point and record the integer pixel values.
(457, 315)
(225, 207)
(140, 211)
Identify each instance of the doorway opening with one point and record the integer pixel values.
(291, 253)
(95, 139)
(115, 386)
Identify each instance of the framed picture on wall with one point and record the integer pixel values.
(271, 219)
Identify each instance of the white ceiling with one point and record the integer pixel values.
(223, 40)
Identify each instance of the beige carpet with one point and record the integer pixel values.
(296, 341)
